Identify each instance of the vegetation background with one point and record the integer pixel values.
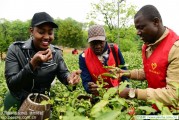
(73, 34)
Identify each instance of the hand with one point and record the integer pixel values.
(125, 73)
(40, 57)
(124, 93)
(118, 72)
(93, 88)
(74, 77)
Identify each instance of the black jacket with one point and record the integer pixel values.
(21, 80)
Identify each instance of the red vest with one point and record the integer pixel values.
(155, 66)
(95, 67)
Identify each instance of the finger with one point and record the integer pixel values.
(75, 76)
(48, 52)
(77, 72)
(94, 85)
(49, 56)
(75, 80)
(94, 90)
(90, 83)
(44, 52)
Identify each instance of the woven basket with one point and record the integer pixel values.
(32, 108)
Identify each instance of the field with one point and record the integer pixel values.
(108, 106)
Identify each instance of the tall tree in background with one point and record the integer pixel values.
(70, 33)
(19, 30)
(5, 38)
(106, 11)
(11, 31)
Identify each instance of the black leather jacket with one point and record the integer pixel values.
(21, 80)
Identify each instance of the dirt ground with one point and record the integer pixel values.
(69, 50)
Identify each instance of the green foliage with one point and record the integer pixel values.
(107, 106)
(147, 109)
(19, 30)
(70, 33)
(5, 38)
(3, 86)
(128, 45)
(117, 20)
(11, 31)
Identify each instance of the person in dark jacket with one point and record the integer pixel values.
(32, 65)
(98, 55)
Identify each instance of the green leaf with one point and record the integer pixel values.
(110, 92)
(109, 75)
(166, 111)
(175, 84)
(122, 101)
(126, 65)
(122, 86)
(44, 102)
(159, 105)
(81, 110)
(109, 115)
(98, 107)
(147, 109)
(126, 74)
(109, 67)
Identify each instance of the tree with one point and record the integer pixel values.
(106, 11)
(19, 30)
(70, 33)
(58, 21)
(11, 31)
(5, 38)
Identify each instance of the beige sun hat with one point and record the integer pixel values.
(96, 32)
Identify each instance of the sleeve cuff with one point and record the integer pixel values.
(133, 74)
(142, 94)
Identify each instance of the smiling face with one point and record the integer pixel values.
(43, 35)
(148, 30)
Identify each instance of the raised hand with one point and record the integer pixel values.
(40, 57)
(74, 77)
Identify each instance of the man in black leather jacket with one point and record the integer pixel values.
(32, 65)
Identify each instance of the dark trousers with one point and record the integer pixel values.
(10, 101)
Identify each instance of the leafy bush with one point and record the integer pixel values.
(127, 45)
(78, 105)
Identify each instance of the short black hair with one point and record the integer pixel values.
(150, 12)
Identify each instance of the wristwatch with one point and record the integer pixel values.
(132, 93)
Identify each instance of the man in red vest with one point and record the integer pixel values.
(94, 58)
(160, 54)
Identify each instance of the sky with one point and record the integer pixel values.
(78, 9)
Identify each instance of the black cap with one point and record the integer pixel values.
(42, 17)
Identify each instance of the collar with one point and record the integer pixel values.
(105, 47)
(149, 46)
(27, 44)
